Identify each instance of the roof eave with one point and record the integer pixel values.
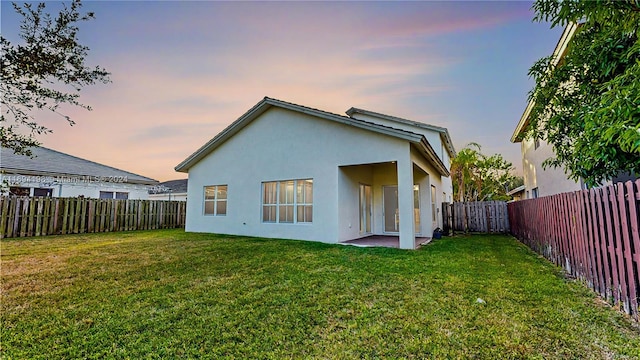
(518, 133)
(225, 134)
(431, 155)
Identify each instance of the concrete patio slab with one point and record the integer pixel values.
(384, 241)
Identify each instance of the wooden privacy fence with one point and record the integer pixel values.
(38, 216)
(477, 216)
(592, 233)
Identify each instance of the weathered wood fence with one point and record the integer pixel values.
(593, 234)
(478, 216)
(38, 216)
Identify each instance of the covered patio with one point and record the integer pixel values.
(373, 198)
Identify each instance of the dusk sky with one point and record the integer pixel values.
(183, 71)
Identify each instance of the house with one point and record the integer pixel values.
(172, 190)
(283, 170)
(517, 193)
(542, 182)
(538, 181)
(56, 174)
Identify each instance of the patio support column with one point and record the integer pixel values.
(405, 203)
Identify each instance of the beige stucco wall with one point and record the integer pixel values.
(549, 181)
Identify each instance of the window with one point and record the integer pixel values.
(106, 194)
(534, 193)
(289, 201)
(19, 191)
(215, 200)
(536, 143)
(269, 201)
(114, 195)
(285, 206)
(304, 197)
(42, 192)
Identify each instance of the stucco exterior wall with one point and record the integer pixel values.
(285, 145)
(443, 185)
(548, 181)
(349, 180)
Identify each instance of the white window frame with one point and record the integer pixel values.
(297, 202)
(118, 195)
(216, 200)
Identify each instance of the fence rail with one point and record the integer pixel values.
(594, 234)
(477, 216)
(39, 216)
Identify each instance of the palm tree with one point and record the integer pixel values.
(464, 171)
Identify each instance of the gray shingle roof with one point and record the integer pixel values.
(170, 187)
(48, 162)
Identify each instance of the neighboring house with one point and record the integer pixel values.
(517, 193)
(538, 181)
(283, 170)
(542, 182)
(55, 174)
(172, 190)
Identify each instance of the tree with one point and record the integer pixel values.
(587, 103)
(477, 177)
(48, 70)
(464, 169)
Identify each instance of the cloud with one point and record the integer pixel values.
(184, 71)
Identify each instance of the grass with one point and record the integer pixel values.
(170, 294)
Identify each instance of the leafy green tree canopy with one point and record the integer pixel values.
(44, 72)
(477, 177)
(587, 102)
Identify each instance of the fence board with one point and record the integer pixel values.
(611, 248)
(594, 234)
(4, 215)
(479, 216)
(29, 216)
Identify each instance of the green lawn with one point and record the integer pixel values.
(168, 294)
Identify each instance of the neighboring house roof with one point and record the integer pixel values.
(170, 187)
(265, 104)
(516, 190)
(48, 162)
(558, 53)
(444, 133)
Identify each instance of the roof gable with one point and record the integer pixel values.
(48, 162)
(267, 103)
